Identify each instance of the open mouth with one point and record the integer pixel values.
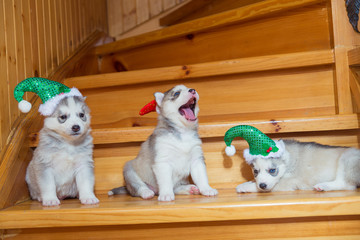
(188, 110)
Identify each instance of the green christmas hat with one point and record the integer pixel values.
(260, 145)
(50, 92)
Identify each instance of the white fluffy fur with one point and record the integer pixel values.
(62, 165)
(24, 106)
(306, 166)
(169, 155)
(47, 108)
(230, 150)
(249, 158)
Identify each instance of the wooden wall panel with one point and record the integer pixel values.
(129, 14)
(124, 15)
(142, 11)
(12, 71)
(4, 93)
(36, 36)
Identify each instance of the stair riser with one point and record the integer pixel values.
(293, 90)
(330, 228)
(222, 170)
(284, 32)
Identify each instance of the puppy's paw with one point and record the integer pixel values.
(146, 194)
(209, 192)
(187, 190)
(89, 201)
(320, 187)
(246, 187)
(194, 190)
(51, 202)
(166, 197)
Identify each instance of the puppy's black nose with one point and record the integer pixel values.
(192, 91)
(262, 185)
(75, 128)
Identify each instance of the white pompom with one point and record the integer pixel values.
(230, 151)
(24, 106)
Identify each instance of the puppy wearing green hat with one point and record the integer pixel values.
(62, 164)
(288, 165)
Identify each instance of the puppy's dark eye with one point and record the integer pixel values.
(176, 94)
(62, 118)
(82, 116)
(273, 172)
(256, 172)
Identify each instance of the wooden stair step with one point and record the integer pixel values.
(216, 68)
(218, 129)
(228, 205)
(242, 14)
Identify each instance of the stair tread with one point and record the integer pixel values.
(109, 134)
(228, 205)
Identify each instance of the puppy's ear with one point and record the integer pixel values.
(158, 98)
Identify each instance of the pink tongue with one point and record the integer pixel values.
(188, 113)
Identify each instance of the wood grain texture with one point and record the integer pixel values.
(120, 210)
(259, 37)
(126, 16)
(235, 16)
(223, 171)
(355, 89)
(114, 7)
(231, 66)
(329, 228)
(142, 11)
(155, 7)
(150, 25)
(344, 39)
(129, 14)
(168, 4)
(342, 81)
(211, 7)
(11, 51)
(216, 129)
(184, 11)
(354, 57)
(245, 94)
(34, 42)
(28, 38)
(4, 92)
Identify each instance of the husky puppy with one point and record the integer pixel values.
(62, 165)
(306, 166)
(171, 153)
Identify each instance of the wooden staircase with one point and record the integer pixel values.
(279, 65)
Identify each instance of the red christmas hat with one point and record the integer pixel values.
(150, 107)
